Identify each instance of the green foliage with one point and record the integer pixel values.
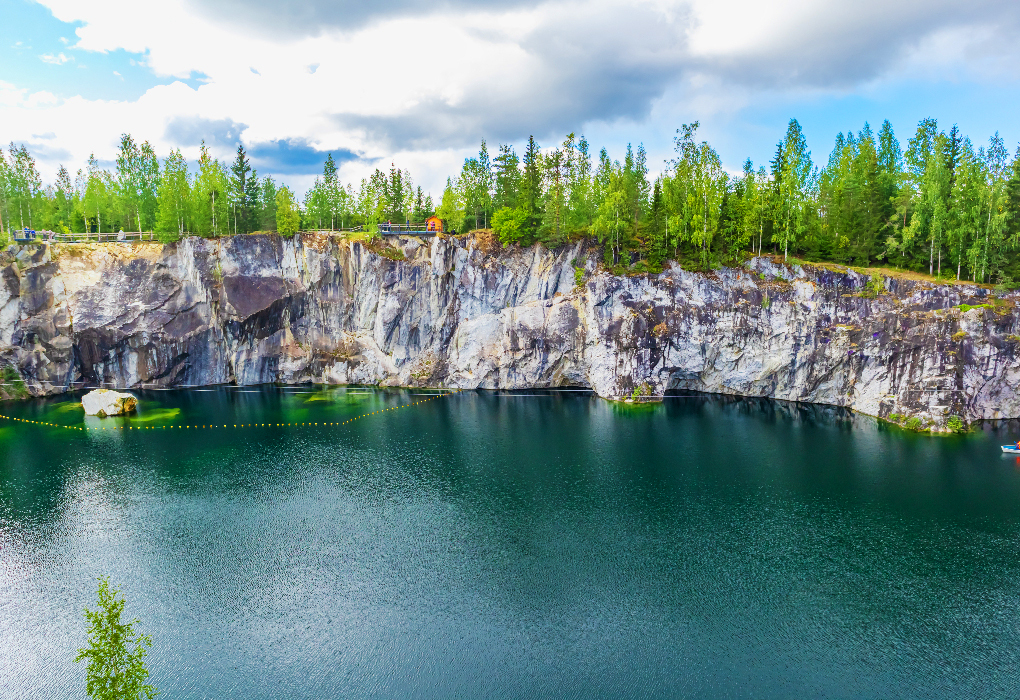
(476, 184)
(511, 226)
(210, 201)
(955, 424)
(288, 218)
(14, 386)
(578, 276)
(451, 207)
(913, 423)
(874, 287)
(895, 417)
(944, 206)
(244, 194)
(115, 652)
(1005, 285)
(174, 198)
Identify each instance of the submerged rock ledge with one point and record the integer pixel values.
(260, 308)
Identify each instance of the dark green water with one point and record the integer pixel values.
(491, 546)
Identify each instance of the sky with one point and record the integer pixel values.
(419, 83)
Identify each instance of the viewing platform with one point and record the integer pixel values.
(28, 235)
(430, 227)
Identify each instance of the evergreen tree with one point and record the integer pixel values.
(794, 180)
(1011, 206)
(966, 217)
(267, 204)
(659, 242)
(530, 196)
(508, 178)
(555, 200)
(333, 191)
(243, 191)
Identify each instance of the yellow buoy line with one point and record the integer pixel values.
(235, 425)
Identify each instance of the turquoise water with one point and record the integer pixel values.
(483, 545)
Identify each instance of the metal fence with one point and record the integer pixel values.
(32, 236)
(29, 236)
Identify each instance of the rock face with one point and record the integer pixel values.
(447, 312)
(103, 403)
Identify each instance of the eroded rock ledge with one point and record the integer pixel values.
(254, 309)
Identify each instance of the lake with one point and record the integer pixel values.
(500, 545)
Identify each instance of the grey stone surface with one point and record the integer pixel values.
(104, 402)
(253, 309)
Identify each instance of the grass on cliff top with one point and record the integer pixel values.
(893, 272)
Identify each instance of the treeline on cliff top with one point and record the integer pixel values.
(944, 206)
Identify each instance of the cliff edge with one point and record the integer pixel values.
(455, 312)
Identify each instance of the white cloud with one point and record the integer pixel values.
(421, 83)
(57, 60)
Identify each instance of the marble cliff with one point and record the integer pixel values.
(463, 312)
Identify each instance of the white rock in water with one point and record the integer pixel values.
(103, 402)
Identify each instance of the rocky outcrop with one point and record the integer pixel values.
(103, 403)
(446, 312)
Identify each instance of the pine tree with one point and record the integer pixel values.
(241, 191)
(267, 204)
(508, 178)
(555, 200)
(794, 182)
(530, 197)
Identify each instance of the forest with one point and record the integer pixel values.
(942, 206)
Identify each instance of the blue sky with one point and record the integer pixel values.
(38, 54)
(294, 81)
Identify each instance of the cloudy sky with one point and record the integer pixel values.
(419, 83)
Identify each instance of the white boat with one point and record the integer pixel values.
(1011, 449)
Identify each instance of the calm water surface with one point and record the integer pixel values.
(505, 546)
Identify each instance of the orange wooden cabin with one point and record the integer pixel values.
(434, 225)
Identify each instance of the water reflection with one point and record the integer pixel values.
(536, 544)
